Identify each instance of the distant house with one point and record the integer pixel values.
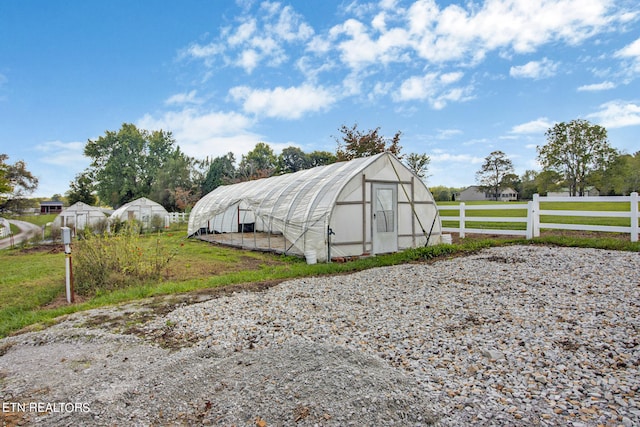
(564, 192)
(477, 193)
(50, 207)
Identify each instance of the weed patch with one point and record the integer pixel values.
(106, 262)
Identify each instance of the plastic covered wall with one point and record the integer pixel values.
(303, 206)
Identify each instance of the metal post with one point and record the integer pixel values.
(66, 240)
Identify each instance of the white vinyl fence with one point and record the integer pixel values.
(533, 214)
(178, 217)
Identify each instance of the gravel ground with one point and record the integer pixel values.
(517, 336)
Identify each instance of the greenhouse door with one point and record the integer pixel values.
(385, 212)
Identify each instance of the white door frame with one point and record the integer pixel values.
(384, 217)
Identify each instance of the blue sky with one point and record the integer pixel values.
(458, 79)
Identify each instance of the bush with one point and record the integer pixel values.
(110, 261)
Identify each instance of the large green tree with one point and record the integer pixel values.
(174, 185)
(222, 171)
(125, 163)
(82, 190)
(258, 163)
(16, 182)
(293, 159)
(576, 150)
(493, 173)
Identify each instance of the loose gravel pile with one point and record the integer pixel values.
(518, 336)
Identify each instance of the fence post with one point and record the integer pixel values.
(634, 216)
(529, 235)
(535, 215)
(462, 216)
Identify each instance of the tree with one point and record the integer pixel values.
(5, 185)
(491, 176)
(175, 176)
(575, 150)
(419, 164)
(82, 190)
(321, 158)
(547, 181)
(292, 159)
(258, 163)
(16, 182)
(528, 185)
(354, 143)
(222, 171)
(125, 163)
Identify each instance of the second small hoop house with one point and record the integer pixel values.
(80, 215)
(149, 213)
(365, 206)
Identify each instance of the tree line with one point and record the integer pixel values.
(131, 163)
(576, 157)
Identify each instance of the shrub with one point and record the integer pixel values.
(110, 261)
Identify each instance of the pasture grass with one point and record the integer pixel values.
(32, 290)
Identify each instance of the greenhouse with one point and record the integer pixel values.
(80, 215)
(149, 213)
(363, 207)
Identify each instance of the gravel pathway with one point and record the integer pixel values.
(517, 336)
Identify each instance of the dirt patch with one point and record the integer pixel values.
(130, 318)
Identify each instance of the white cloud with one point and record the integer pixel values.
(631, 56)
(448, 133)
(433, 87)
(183, 98)
(535, 69)
(63, 154)
(284, 103)
(630, 51)
(538, 126)
(597, 87)
(616, 114)
(444, 157)
(255, 40)
(205, 133)
(456, 33)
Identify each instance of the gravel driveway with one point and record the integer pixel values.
(517, 336)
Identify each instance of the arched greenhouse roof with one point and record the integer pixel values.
(298, 198)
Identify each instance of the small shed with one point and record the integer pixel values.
(363, 207)
(149, 213)
(80, 215)
(51, 207)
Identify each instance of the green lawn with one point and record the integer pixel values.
(32, 280)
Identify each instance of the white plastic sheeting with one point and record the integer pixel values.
(79, 215)
(143, 210)
(303, 206)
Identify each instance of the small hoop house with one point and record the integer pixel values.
(79, 216)
(148, 212)
(363, 207)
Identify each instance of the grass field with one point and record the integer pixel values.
(32, 290)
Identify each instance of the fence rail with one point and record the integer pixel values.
(533, 222)
(178, 217)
